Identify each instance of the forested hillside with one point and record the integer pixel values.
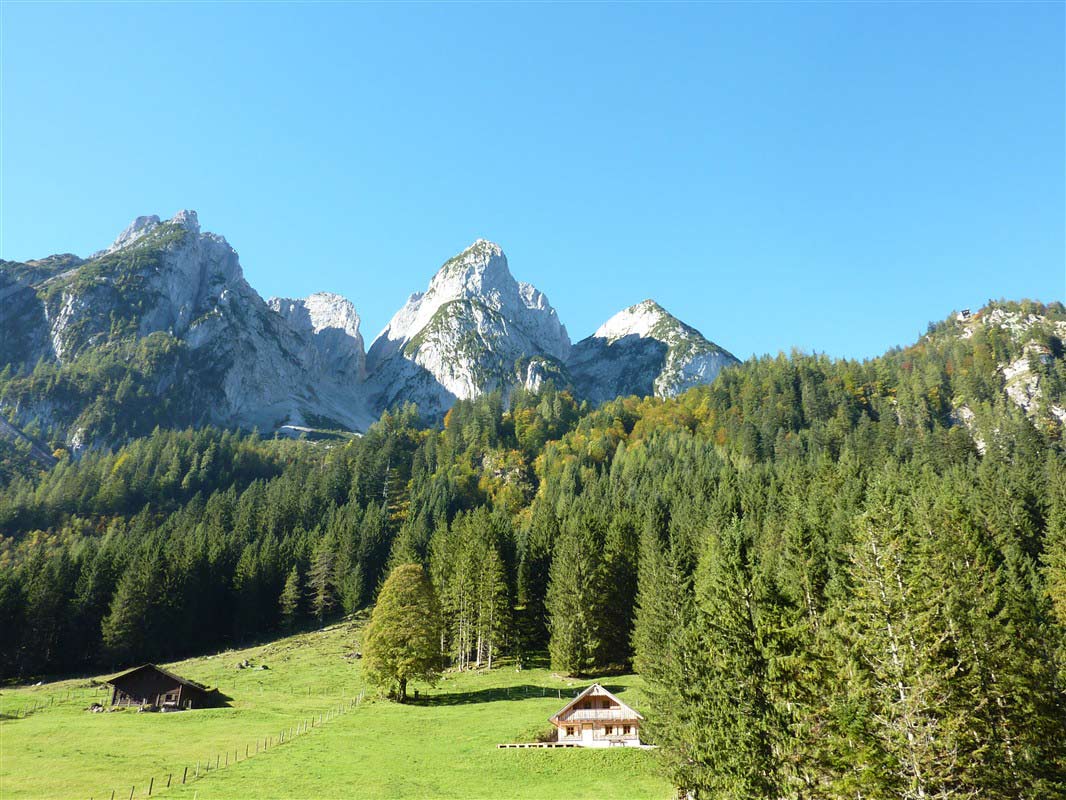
(838, 578)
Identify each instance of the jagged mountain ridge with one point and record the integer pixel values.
(172, 303)
(475, 329)
(167, 309)
(644, 350)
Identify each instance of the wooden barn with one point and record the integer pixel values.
(596, 718)
(155, 687)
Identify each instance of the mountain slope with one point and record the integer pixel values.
(1004, 355)
(474, 329)
(329, 323)
(161, 328)
(644, 350)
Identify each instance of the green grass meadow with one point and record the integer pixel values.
(443, 746)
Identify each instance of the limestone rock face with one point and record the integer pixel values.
(1023, 382)
(475, 329)
(331, 324)
(134, 231)
(23, 327)
(161, 328)
(644, 350)
(219, 353)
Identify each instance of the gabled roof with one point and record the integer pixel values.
(597, 690)
(178, 678)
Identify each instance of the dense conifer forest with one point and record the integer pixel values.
(833, 583)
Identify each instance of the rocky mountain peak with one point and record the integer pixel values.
(318, 312)
(329, 325)
(134, 231)
(466, 334)
(187, 219)
(481, 268)
(142, 226)
(643, 350)
(637, 320)
(480, 275)
(329, 310)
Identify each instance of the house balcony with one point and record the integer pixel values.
(597, 715)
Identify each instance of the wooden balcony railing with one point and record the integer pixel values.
(596, 714)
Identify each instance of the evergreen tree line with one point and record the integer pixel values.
(829, 587)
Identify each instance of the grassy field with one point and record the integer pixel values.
(442, 746)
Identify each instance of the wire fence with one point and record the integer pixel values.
(188, 773)
(92, 693)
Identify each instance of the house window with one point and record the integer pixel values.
(569, 730)
(625, 730)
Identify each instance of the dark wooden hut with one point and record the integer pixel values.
(149, 685)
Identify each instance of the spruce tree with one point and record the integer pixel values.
(289, 602)
(494, 605)
(124, 629)
(534, 574)
(662, 591)
(891, 632)
(322, 579)
(575, 599)
(734, 729)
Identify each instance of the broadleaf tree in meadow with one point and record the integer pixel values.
(401, 642)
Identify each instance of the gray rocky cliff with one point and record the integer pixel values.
(474, 330)
(644, 350)
(161, 328)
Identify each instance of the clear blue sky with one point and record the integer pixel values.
(828, 176)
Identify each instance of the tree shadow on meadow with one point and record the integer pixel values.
(489, 695)
(496, 694)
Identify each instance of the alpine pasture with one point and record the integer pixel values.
(306, 726)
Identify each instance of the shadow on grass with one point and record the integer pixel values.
(216, 698)
(496, 694)
(492, 695)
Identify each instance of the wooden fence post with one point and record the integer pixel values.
(131, 791)
(169, 776)
(151, 783)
